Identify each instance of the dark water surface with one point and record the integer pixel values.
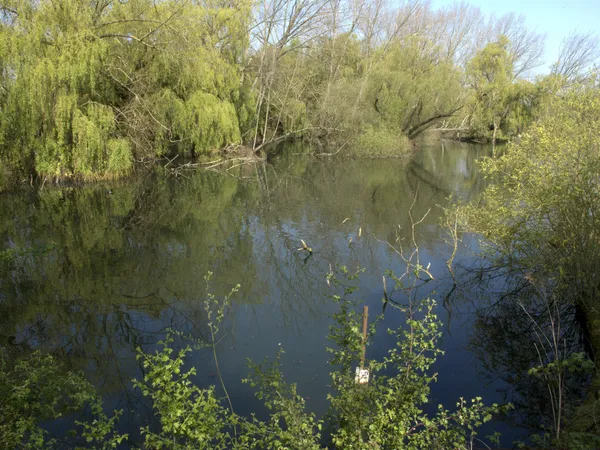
(99, 270)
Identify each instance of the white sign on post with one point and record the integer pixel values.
(362, 376)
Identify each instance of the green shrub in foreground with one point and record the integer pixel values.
(385, 413)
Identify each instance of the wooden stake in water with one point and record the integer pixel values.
(364, 332)
(362, 374)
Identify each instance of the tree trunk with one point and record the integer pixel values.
(494, 138)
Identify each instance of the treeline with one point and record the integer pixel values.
(88, 87)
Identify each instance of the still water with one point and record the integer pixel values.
(99, 270)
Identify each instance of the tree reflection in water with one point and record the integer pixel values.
(92, 272)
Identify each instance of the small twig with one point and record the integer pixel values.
(171, 160)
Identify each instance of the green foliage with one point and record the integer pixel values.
(190, 417)
(208, 122)
(576, 362)
(490, 75)
(544, 211)
(4, 177)
(289, 425)
(99, 433)
(380, 142)
(374, 100)
(416, 87)
(80, 100)
(540, 221)
(500, 107)
(37, 388)
(387, 412)
(95, 151)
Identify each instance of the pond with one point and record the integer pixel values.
(99, 270)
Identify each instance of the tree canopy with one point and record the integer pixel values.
(89, 87)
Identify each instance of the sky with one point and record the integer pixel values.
(554, 18)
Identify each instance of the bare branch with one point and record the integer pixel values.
(578, 53)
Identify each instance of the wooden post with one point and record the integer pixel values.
(364, 330)
(362, 374)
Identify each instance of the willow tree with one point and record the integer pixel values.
(54, 120)
(88, 86)
(178, 66)
(500, 102)
(490, 77)
(416, 87)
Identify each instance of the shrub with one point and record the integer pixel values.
(380, 142)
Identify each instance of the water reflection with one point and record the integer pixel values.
(92, 272)
(518, 323)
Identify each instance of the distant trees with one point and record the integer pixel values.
(525, 46)
(416, 89)
(374, 68)
(496, 95)
(87, 87)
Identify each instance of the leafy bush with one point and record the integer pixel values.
(38, 388)
(385, 413)
(380, 142)
(540, 221)
(544, 212)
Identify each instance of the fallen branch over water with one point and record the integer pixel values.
(221, 165)
(243, 160)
